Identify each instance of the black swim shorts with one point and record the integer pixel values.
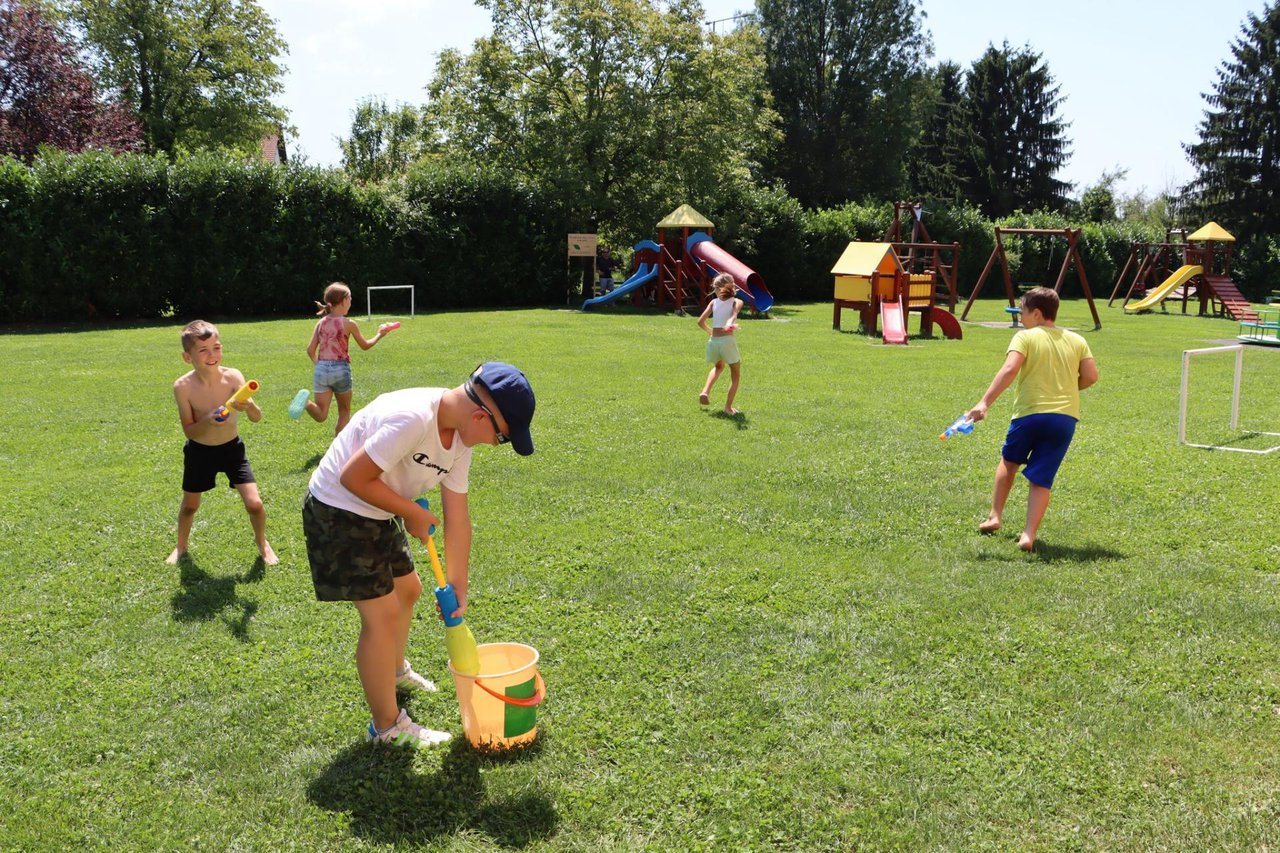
(202, 462)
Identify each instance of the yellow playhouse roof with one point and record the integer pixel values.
(1213, 231)
(685, 216)
(866, 258)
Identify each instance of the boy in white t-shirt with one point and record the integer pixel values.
(400, 445)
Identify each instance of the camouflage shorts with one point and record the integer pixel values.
(353, 558)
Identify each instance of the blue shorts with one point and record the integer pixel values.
(1040, 442)
(332, 375)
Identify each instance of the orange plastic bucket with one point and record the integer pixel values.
(500, 705)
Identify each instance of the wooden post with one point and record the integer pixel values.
(1133, 253)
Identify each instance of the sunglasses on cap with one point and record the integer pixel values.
(469, 388)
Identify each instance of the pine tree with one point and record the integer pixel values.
(1238, 156)
(937, 166)
(1012, 105)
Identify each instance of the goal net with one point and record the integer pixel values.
(1227, 401)
(399, 300)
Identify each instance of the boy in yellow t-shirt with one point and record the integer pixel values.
(1052, 367)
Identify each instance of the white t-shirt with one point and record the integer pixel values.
(398, 431)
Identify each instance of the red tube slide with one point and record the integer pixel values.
(702, 248)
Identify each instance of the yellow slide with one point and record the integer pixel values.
(1180, 276)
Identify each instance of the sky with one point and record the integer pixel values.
(1132, 72)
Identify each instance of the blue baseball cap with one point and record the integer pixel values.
(514, 398)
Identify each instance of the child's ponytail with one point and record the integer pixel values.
(334, 294)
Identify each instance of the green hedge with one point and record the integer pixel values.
(96, 236)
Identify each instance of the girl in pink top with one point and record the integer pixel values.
(328, 349)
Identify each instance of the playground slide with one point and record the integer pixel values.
(947, 321)
(640, 278)
(892, 322)
(749, 282)
(1180, 276)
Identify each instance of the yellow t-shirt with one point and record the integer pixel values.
(1049, 381)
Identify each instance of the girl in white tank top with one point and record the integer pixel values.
(722, 346)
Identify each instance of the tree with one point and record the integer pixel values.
(623, 108)
(938, 165)
(383, 142)
(844, 76)
(201, 73)
(46, 98)
(1098, 202)
(1012, 106)
(1237, 159)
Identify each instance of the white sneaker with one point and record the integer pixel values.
(405, 732)
(407, 679)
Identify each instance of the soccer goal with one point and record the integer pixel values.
(1238, 349)
(368, 296)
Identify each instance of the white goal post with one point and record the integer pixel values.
(368, 296)
(1238, 349)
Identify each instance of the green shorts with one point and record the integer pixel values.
(353, 558)
(723, 348)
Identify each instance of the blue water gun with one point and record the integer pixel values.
(962, 425)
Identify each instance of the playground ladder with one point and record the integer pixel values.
(1233, 301)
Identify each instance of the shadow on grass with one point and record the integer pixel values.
(312, 462)
(204, 597)
(1051, 553)
(389, 802)
(1047, 552)
(740, 420)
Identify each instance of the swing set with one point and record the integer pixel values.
(1072, 256)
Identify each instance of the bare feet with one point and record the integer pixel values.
(1026, 542)
(730, 411)
(173, 558)
(991, 525)
(704, 399)
(268, 556)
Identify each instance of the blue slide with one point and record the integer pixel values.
(642, 276)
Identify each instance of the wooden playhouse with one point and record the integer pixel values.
(870, 278)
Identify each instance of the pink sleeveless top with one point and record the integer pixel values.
(333, 339)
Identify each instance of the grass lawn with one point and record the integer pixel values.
(780, 631)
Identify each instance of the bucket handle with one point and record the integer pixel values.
(536, 699)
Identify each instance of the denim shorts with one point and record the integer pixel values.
(1040, 442)
(723, 348)
(332, 375)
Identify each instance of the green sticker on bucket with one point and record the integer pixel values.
(517, 720)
